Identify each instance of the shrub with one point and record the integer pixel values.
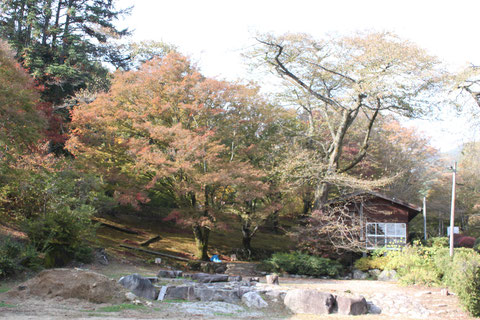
(61, 235)
(438, 242)
(414, 265)
(374, 262)
(304, 264)
(462, 274)
(476, 245)
(433, 265)
(16, 257)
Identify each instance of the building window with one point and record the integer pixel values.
(386, 235)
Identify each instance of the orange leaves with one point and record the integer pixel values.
(22, 117)
(158, 124)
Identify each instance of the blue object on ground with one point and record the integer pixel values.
(215, 258)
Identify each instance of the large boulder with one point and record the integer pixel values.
(272, 279)
(359, 275)
(309, 301)
(214, 294)
(169, 273)
(209, 278)
(352, 305)
(388, 275)
(254, 300)
(140, 286)
(180, 293)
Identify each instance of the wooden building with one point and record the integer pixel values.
(384, 220)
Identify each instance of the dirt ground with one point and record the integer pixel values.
(33, 307)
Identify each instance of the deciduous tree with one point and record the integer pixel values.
(336, 81)
(156, 129)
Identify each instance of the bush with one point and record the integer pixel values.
(304, 264)
(377, 261)
(438, 242)
(433, 265)
(462, 274)
(62, 235)
(415, 265)
(16, 257)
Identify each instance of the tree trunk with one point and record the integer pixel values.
(321, 195)
(66, 33)
(201, 235)
(46, 23)
(275, 223)
(57, 24)
(247, 235)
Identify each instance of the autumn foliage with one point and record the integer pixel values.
(156, 128)
(22, 122)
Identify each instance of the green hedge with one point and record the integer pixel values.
(303, 264)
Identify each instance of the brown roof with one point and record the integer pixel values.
(412, 209)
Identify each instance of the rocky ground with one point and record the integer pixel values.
(50, 298)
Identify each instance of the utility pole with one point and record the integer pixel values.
(425, 218)
(452, 212)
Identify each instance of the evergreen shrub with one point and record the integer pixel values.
(303, 264)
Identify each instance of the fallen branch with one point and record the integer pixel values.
(155, 253)
(115, 227)
(151, 240)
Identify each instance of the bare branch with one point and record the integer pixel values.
(283, 70)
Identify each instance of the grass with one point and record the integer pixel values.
(173, 300)
(6, 305)
(223, 314)
(4, 289)
(178, 241)
(120, 307)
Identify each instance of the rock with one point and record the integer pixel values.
(272, 279)
(180, 293)
(254, 300)
(388, 275)
(359, 275)
(243, 289)
(208, 267)
(423, 293)
(211, 294)
(351, 305)
(152, 279)
(162, 293)
(169, 274)
(221, 268)
(373, 309)
(101, 256)
(140, 286)
(213, 278)
(309, 301)
(276, 294)
(255, 279)
(374, 273)
(196, 276)
(130, 296)
(234, 278)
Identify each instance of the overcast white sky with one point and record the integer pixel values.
(214, 33)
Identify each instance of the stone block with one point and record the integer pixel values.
(309, 301)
